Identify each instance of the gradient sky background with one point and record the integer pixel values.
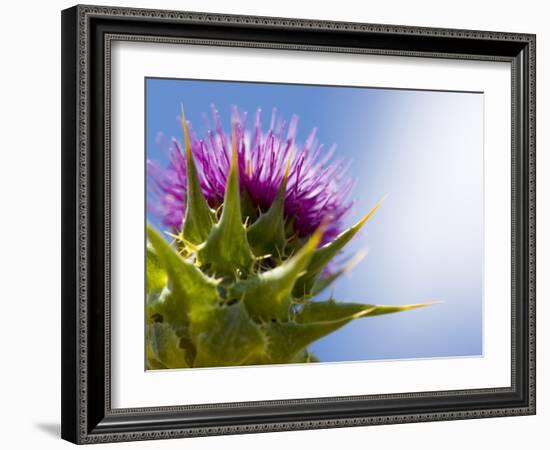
(425, 151)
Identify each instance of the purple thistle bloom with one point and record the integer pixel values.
(318, 186)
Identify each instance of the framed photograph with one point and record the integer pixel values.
(281, 224)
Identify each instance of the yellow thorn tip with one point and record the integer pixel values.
(288, 163)
(370, 213)
(318, 233)
(234, 148)
(185, 133)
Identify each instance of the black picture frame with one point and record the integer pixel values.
(87, 416)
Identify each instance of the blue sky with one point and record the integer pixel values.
(424, 150)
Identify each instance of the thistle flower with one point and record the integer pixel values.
(237, 284)
(318, 185)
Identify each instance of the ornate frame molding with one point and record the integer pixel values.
(86, 422)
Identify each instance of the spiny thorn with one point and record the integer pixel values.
(365, 312)
(288, 164)
(419, 305)
(234, 147)
(319, 232)
(370, 213)
(185, 133)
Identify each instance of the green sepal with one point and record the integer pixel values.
(199, 218)
(163, 347)
(288, 339)
(331, 310)
(225, 336)
(314, 321)
(190, 289)
(151, 362)
(267, 295)
(323, 255)
(267, 234)
(226, 251)
(154, 364)
(156, 276)
(305, 356)
(249, 211)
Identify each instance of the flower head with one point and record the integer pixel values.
(318, 186)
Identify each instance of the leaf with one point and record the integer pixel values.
(199, 218)
(323, 255)
(267, 234)
(155, 275)
(190, 288)
(226, 251)
(225, 336)
(267, 295)
(163, 346)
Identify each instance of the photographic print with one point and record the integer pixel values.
(302, 224)
(284, 203)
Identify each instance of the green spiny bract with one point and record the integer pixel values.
(228, 292)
